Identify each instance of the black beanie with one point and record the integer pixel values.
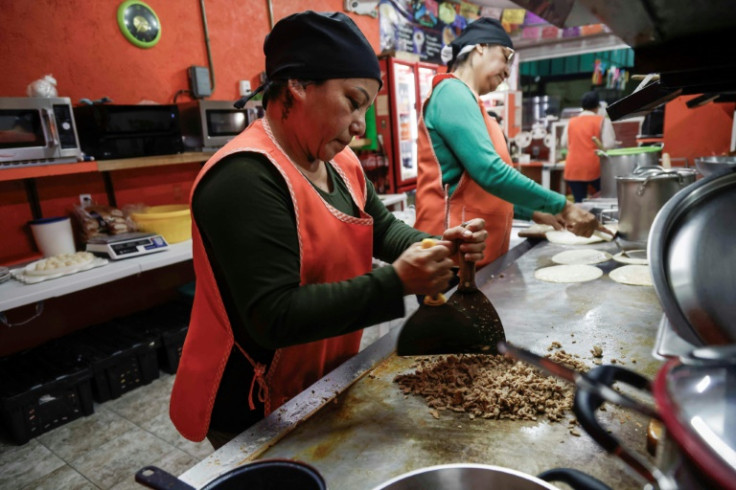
(482, 31)
(319, 46)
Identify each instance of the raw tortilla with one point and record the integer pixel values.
(569, 238)
(635, 275)
(568, 273)
(583, 256)
(619, 257)
(537, 228)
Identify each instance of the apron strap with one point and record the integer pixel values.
(259, 370)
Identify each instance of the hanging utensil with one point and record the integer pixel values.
(437, 328)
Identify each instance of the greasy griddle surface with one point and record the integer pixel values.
(373, 432)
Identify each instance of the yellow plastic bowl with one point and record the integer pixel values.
(173, 221)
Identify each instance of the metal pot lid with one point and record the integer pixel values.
(693, 260)
(697, 403)
(728, 160)
(652, 172)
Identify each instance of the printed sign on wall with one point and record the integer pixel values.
(423, 27)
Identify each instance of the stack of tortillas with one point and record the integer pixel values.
(565, 237)
(633, 257)
(568, 273)
(585, 256)
(635, 275)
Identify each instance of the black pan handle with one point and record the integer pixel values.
(158, 479)
(587, 402)
(575, 478)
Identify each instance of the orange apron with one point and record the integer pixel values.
(582, 164)
(333, 247)
(469, 200)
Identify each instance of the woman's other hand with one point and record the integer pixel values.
(578, 220)
(553, 220)
(425, 270)
(469, 239)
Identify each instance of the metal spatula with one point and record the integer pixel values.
(435, 328)
(468, 299)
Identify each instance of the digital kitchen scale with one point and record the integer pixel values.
(127, 245)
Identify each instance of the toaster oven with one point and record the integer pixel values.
(110, 131)
(208, 125)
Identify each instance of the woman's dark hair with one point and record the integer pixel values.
(277, 89)
(590, 100)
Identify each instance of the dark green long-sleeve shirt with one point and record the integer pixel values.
(244, 213)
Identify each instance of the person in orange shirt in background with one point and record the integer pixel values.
(582, 166)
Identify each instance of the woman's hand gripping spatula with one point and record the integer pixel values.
(435, 328)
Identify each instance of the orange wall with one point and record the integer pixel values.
(702, 131)
(80, 44)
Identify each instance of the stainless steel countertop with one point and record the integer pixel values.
(358, 429)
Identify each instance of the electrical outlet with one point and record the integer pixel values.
(244, 87)
(85, 199)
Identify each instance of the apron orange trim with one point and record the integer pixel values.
(582, 163)
(469, 200)
(209, 340)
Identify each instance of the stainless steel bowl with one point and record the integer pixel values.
(465, 477)
(711, 165)
(693, 260)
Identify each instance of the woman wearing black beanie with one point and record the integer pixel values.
(285, 227)
(462, 147)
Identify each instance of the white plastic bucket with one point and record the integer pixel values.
(53, 236)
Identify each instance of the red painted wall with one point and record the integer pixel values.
(80, 44)
(702, 131)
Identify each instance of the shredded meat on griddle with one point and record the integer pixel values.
(491, 387)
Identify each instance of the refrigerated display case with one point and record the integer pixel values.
(405, 85)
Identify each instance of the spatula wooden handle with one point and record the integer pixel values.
(466, 273)
(438, 299)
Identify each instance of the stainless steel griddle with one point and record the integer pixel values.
(358, 429)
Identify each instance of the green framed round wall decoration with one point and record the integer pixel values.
(139, 23)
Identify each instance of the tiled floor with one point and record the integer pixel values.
(105, 449)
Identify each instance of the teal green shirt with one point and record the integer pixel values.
(461, 142)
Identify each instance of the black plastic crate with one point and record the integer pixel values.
(120, 362)
(169, 323)
(37, 395)
(172, 342)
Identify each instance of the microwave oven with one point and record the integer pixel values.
(208, 125)
(37, 131)
(108, 131)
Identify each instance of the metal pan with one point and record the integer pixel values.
(694, 397)
(693, 260)
(466, 476)
(259, 475)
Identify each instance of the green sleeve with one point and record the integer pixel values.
(461, 141)
(244, 212)
(520, 212)
(391, 236)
